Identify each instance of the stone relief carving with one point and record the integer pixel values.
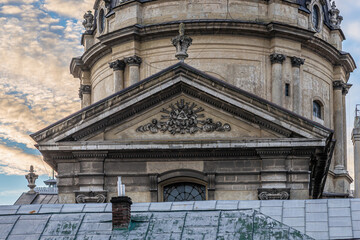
(92, 198)
(335, 18)
(88, 22)
(133, 60)
(274, 193)
(118, 65)
(182, 43)
(297, 62)
(277, 58)
(84, 89)
(183, 118)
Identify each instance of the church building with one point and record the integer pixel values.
(190, 100)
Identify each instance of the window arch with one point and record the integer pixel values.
(316, 17)
(318, 109)
(101, 20)
(184, 191)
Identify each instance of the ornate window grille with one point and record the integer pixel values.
(184, 192)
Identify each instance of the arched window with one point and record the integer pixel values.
(101, 20)
(184, 191)
(317, 109)
(316, 17)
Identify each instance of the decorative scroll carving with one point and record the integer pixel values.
(274, 193)
(346, 88)
(88, 22)
(182, 118)
(31, 178)
(277, 58)
(338, 84)
(335, 18)
(91, 197)
(297, 62)
(133, 60)
(84, 89)
(118, 65)
(182, 43)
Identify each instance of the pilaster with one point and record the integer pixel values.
(134, 69)
(118, 66)
(339, 163)
(276, 75)
(297, 89)
(355, 136)
(85, 95)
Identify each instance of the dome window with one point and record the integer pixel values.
(316, 17)
(184, 191)
(317, 109)
(101, 20)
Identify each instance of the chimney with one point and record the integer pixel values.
(121, 212)
(121, 208)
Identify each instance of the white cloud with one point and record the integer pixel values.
(68, 7)
(10, 10)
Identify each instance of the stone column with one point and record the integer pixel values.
(134, 69)
(356, 141)
(85, 95)
(339, 128)
(118, 66)
(345, 92)
(276, 76)
(297, 93)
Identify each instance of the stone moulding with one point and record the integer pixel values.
(90, 197)
(274, 193)
(182, 118)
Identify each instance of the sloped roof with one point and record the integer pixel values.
(282, 219)
(37, 198)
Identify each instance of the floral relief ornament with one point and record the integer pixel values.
(183, 118)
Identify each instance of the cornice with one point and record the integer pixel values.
(211, 26)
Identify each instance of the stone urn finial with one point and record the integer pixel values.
(31, 178)
(335, 18)
(182, 43)
(88, 22)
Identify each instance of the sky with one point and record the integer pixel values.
(38, 39)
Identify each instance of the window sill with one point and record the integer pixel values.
(318, 120)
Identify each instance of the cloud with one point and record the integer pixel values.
(10, 10)
(67, 8)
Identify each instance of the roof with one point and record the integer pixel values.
(281, 219)
(37, 198)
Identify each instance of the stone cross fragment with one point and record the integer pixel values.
(31, 178)
(182, 43)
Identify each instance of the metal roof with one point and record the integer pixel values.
(288, 219)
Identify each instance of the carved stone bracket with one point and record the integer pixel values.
(84, 89)
(183, 118)
(277, 58)
(133, 60)
(274, 193)
(346, 88)
(91, 197)
(297, 62)
(118, 65)
(182, 43)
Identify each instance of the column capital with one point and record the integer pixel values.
(84, 89)
(118, 65)
(338, 85)
(346, 88)
(297, 62)
(133, 60)
(277, 58)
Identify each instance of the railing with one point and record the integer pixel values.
(47, 190)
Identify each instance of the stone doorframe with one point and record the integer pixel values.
(158, 181)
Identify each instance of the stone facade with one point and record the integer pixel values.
(275, 51)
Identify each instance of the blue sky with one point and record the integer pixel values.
(37, 41)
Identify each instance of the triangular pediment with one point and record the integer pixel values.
(185, 118)
(172, 97)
